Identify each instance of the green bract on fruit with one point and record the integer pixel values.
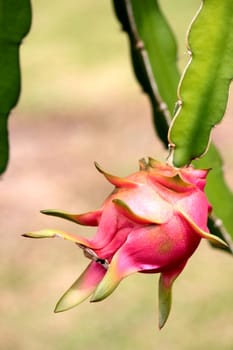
(152, 222)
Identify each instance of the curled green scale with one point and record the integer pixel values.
(204, 86)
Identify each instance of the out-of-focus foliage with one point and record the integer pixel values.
(15, 22)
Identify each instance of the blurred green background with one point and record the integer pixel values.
(80, 103)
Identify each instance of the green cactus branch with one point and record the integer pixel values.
(15, 22)
(153, 51)
(139, 45)
(219, 195)
(204, 86)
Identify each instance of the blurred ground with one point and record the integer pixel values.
(79, 104)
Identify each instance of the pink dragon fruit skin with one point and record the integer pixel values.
(152, 222)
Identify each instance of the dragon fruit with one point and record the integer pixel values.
(152, 222)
